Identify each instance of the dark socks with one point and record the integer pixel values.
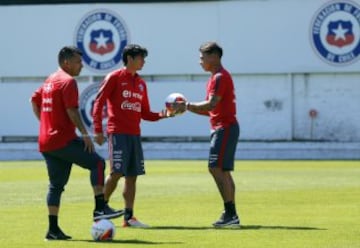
(230, 208)
(99, 202)
(128, 213)
(53, 223)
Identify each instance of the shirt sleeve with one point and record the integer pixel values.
(106, 87)
(216, 85)
(146, 113)
(36, 96)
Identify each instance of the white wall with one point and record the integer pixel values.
(267, 46)
(258, 36)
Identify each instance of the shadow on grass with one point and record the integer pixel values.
(125, 241)
(243, 227)
(257, 227)
(180, 227)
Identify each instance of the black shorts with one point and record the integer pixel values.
(223, 144)
(59, 163)
(126, 154)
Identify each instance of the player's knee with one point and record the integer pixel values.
(54, 195)
(115, 176)
(213, 171)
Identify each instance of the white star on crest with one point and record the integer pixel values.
(101, 41)
(340, 32)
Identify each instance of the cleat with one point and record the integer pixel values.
(59, 235)
(107, 214)
(109, 210)
(133, 222)
(222, 216)
(230, 221)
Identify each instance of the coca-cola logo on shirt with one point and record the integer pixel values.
(134, 106)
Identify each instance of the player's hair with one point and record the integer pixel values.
(133, 50)
(211, 47)
(68, 52)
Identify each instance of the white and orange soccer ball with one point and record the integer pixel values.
(103, 230)
(171, 99)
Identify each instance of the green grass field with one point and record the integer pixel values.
(281, 204)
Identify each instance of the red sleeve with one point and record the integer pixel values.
(106, 87)
(36, 96)
(71, 94)
(146, 113)
(216, 87)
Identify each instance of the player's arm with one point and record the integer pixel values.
(107, 87)
(74, 116)
(36, 110)
(203, 108)
(147, 114)
(36, 102)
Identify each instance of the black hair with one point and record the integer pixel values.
(133, 50)
(68, 52)
(211, 47)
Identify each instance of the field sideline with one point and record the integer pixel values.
(281, 204)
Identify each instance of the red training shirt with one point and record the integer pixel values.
(127, 103)
(58, 93)
(221, 84)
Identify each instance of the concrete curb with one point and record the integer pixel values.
(199, 150)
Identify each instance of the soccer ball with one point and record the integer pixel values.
(103, 230)
(171, 99)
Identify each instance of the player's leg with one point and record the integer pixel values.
(216, 159)
(224, 183)
(111, 181)
(58, 173)
(119, 159)
(221, 163)
(75, 153)
(129, 192)
(135, 168)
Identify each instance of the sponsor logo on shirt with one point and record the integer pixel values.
(101, 35)
(134, 106)
(335, 32)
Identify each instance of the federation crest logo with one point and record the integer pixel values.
(335, 32)
(87, 99)
(101, 35)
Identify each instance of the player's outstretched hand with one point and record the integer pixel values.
(179, 107)
(166, 114)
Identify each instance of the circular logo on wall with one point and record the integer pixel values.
(335, 32)
(101, 35)
(87, 99)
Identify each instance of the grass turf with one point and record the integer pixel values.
(281, 204)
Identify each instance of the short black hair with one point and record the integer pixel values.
(211, 47)
(133, 50)
(68, 52)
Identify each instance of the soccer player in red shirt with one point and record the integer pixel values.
(220, 106)
(126, 98)
(55, 104)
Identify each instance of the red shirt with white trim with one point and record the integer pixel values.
(221, 84)
(58, 93)
(127, 103)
